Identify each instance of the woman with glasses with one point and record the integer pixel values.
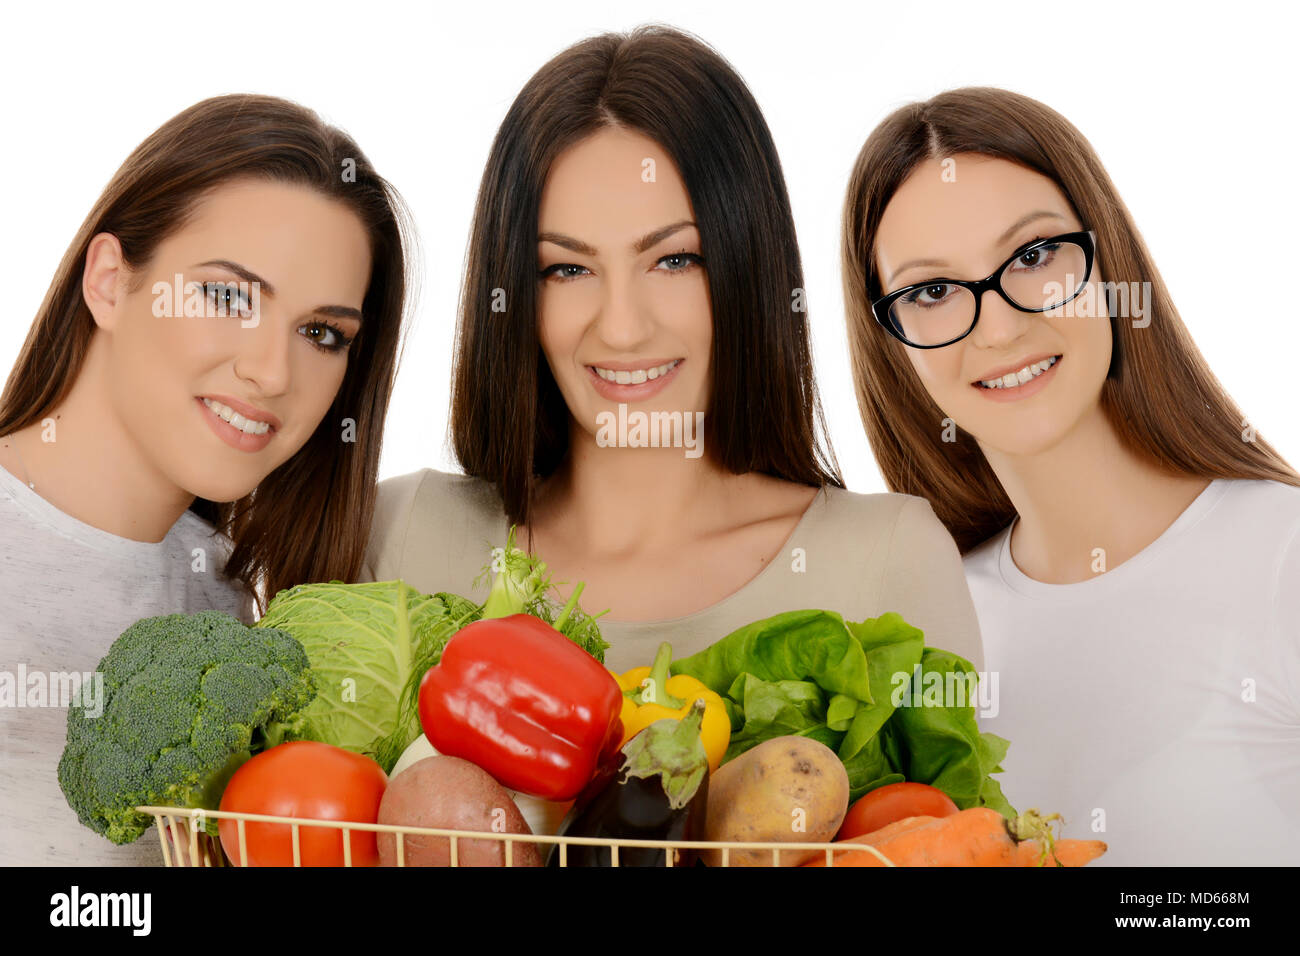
(628, 260)
(1131, 544)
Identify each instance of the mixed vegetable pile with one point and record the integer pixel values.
(374, 703)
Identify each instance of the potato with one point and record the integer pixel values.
(787, 789)
(453, 794)
(542, 816)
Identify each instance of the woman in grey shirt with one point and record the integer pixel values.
(194, 420)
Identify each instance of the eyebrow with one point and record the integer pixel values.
(248, 275)
(1015, 227)
(647, 241)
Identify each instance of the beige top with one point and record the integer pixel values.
(862, 555)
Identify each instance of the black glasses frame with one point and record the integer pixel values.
(880, 307)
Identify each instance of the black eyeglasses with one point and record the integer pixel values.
(1040, 276)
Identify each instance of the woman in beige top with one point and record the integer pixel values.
(648, 255)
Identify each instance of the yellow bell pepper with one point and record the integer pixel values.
(650, 694)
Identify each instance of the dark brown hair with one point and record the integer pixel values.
(309, 519)
(763, 409)
(1160, 397)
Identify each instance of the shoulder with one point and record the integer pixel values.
(430, 494)
(428, 509)
(192, 531)
(1266, 517)
(1259, 518)
(1274, 499)
(898, 528)
(1268, 513)
(213, 589)
(886, 514)
(842, 502)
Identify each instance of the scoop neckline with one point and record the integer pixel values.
(1122, 574)
(62, 523)
(822, 496)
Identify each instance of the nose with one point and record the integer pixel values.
(263, 356)
(999, 323)
(623, 321)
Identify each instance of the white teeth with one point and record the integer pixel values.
(1013, 379)
(228, 414)
(635, 376)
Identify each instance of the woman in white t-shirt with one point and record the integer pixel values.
(1131, 544)
(195, 418)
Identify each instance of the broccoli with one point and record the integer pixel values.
(187, 700)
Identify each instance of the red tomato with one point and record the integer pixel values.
(891, 803)
(304, 778)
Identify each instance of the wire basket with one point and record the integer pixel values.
(208, 853)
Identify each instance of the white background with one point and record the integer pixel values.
(1191, 108)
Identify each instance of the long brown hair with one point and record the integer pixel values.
(1160, 396)
(763, 413)
(308, 520)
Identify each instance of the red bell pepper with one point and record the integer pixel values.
(519, 699)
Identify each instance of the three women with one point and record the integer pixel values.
(1131, 553)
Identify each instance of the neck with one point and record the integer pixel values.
(621, 500)
(89, 466)
(1088, 503)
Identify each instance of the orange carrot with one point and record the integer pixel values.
(890, 830)
(975, 837)
(1065, 852)
(875, 838)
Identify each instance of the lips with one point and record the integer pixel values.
(250, 412)
(625, 374)
(1019, 391)
(631, 391)
(1005, 370)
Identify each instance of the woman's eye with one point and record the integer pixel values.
(678, 262)
(929, 295)
(1037, 258)
(563, 271)
(328, 338)
(227, 299)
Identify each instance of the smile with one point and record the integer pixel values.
(1021, 376)
(231, 417)
(635, 376)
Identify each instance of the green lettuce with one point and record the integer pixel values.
(812, 674)
(365, 642)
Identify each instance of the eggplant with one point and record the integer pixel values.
(655, 788)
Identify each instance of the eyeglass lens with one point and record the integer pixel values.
(1039, 279)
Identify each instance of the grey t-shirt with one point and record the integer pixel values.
(67, 590)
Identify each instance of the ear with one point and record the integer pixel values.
(102, 278)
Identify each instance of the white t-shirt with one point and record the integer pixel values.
(1161, 699)
(67, 590)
